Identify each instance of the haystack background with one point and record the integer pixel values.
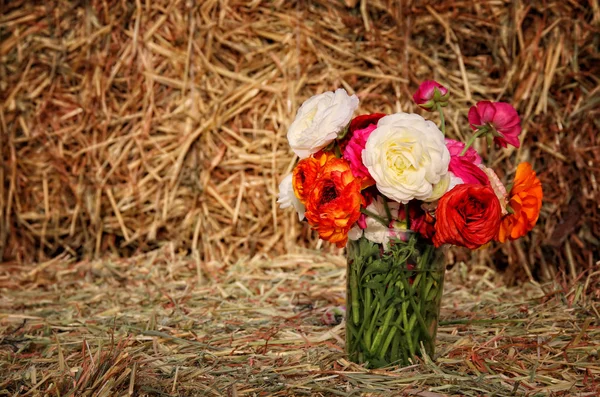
(126, 126)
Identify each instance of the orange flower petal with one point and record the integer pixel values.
(334, 201)
(525, 200)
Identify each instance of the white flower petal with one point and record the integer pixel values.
(440, 188)
(287, 197)
(375, 231)
(454, 181)
(355, 233)
(406, 155)
(319, 120)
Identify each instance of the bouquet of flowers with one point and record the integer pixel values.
(393, 190)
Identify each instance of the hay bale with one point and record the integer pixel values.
(129, 125)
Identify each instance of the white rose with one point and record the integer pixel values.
(446, 183)
(287, 197)
(355, 233)
(440, 188)
(319, 120)
(406, 155)
(376, 231)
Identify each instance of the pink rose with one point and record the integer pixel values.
(465, 167)
(456, 147)
(430, 92)
(467, 171)
(502, 117)
(353, 151)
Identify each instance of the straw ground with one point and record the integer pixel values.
(154, 325)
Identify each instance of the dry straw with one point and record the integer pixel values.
(151, 326)
(127, 125)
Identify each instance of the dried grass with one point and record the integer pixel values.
(126, 126)
(154, 325)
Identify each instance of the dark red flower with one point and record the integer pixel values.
(359, 123)
(468, 216)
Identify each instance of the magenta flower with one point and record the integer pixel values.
(466, 166)
(467, 171)
(362, 221)
(456, 147)
(353, 151)
(429, 93)
(501, 117)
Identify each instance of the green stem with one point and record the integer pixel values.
(395, 347)
(427, 289)
(355, 301)
(411, 345)
(386, 344)
(390, 301)
(406, 215)
(336, 150)
(411, 323)
(368, 302)
(374, 216)
(387, 211)
(405, 315)
(371, 328)
(382, 330)
(477, 134)
(367, 310)
(416, 307)
(432, 293)
(442, 119)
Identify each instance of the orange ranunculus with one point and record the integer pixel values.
(333, 204)
(306, 172)
(525, 201)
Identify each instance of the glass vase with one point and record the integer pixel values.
(393, 297)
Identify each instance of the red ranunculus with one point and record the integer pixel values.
(420, 220)
(363, 121)
(468, 215)
(425, 225)
(359, 123)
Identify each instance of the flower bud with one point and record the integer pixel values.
(430, 93)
